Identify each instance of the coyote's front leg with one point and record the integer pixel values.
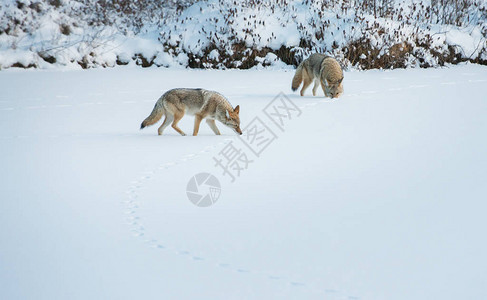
(211, 123)
(325, 89)
(197, 122)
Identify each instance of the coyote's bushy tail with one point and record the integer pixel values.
(298, 77)
(155, 115)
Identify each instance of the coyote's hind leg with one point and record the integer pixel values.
(177, 117)
(169, 118)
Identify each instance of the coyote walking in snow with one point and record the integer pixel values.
(201, 103)
(322, 70)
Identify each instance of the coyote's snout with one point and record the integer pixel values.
(203, 104)
(324, 71)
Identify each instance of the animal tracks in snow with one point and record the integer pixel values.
(132, 201)
(418, 86)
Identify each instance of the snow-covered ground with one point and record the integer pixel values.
(378, 195)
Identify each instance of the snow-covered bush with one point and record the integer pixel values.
(357, 32)
(241, 34)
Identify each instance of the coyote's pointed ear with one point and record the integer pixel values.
(227, 115)
(236, 109)
(340, 81)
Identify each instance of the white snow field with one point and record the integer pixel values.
(378, 195)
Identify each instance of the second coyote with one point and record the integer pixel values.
(324, 71)
(203, 104)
